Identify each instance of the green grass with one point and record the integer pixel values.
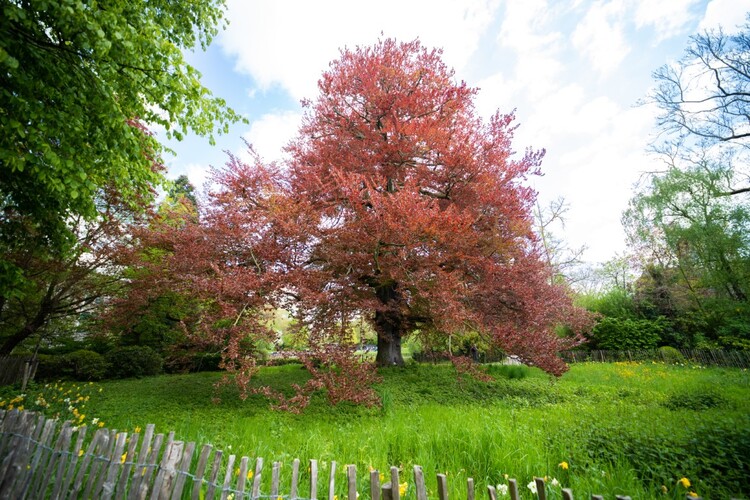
(622, 428)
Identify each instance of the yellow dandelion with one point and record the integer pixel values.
(101, 424)
(685, 482)
(249, 474)
(563, 465)
(237, 471)
(402, 488)
(123, 457)
(381, 476)
(692, 494)
(137, 429)
(80, 452)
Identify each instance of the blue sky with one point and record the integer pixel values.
(573, 69)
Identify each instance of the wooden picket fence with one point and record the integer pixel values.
(39, 458)
(704, 357)
(15, 369)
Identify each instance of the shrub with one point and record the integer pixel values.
(188, 362)
(134, 361)
(670, 355)
(85, 365)
(622, 334)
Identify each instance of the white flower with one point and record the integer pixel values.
(555, 482)
(502, 489)
(532, 487)
(95, 421)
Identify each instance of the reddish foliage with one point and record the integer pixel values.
(467, 366)
(397, 205)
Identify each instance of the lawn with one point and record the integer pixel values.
(621, 428)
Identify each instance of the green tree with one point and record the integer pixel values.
(79, 83)
(695, 245)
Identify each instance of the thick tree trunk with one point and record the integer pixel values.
(18, 337)
(390, 325)
(389, 341)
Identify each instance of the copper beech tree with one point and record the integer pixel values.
(397, 205)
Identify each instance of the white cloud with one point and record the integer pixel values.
(725, 13)
(197, 173)
(290, 42)
(600, 36)
(668, 18)
(269, 134)
(526, 27)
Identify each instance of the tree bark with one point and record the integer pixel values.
(22, 334)
(390, 325)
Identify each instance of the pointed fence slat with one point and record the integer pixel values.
(513, 489)
(257, 477)
(200, 471)
(374, 485)
(313, 479)
(541, 491)
(275, 477)
(36, 462)
(70, 473)
(419, 485)
(140, 465)
(332, 481)
(242, 477)
(122, 484)
(293, 492)
(228, 478)
(119, 456)
(182, 474)
(442, 483)
(214, 475)
(395, 493)
(351, 482)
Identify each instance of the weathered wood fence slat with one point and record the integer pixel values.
(37, 461)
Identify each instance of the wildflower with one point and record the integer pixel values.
(95, 421)
(502, 489)
(372, 469)
(555, 482)
(80, 452)
(230, 496)
(100, 389)
(532, 486)
(101, 424)
(381, 476)
(335, 497)
(402, 488)
(123, 457)
(563, 465)
(692, 494)
(685, 482)
(664, 489)
(237, 471)
(506, 476)
(2, 403)
(20, 408)
(137, 429)
(249, 475)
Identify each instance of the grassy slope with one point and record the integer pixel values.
(623, 429)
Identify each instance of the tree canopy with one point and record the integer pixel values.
(79, 83)
(398, 205)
